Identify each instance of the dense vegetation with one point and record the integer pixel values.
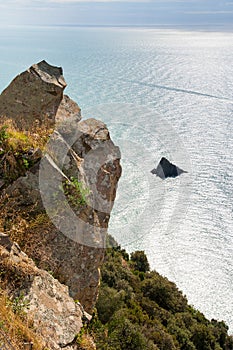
(141, 310)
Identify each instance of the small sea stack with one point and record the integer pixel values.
(167, 169)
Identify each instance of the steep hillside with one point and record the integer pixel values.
(138, 309)
(58, 180)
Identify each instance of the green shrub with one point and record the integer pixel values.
(140, 261)
(163, 292)
(202, 337)
(109, 301)
(3, 134)
(140, 310)
(76, 192)
(161, 338)
(124, 335)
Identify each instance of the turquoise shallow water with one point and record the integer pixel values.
(162, 93)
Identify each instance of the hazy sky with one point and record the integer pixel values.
(107, 12)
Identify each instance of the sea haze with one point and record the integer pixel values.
(162, 92)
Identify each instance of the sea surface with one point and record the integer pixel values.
(162, 92)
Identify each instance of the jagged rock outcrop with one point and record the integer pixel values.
(35, 98)
(167, 169)
(59, 211)
(57, 319)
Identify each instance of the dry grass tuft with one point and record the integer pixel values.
(17, 327)
(17, 149)
(86, 343)
(16, 140)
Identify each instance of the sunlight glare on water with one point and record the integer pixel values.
(179, 87)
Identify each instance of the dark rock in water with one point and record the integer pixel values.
(167, 169)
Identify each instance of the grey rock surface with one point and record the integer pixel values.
(56, 318)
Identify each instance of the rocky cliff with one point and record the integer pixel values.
(57, 318)
(35, 98)
(57, 203)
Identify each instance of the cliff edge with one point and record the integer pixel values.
(58, 180)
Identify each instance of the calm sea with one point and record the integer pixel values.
(162, 92)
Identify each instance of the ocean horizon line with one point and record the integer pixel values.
(221, 27)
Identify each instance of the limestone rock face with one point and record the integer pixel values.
(167, 169)
(56, 318)
(59, 211)
(34, 97)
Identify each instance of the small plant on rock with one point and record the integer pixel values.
(3, 134)
(76, 192)
(19, 305)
